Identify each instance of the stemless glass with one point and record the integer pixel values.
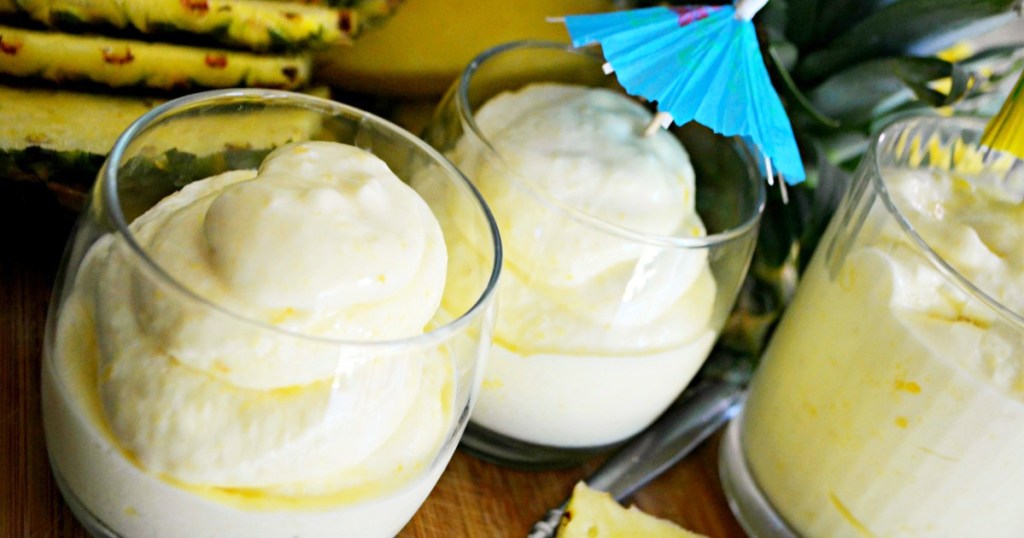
(578, 366)
(169, 412)
(888, 402)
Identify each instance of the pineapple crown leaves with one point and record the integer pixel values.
(893, 28)
(845, 63)
(844, 69)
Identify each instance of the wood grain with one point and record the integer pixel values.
(472, 499)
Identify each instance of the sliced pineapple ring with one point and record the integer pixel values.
(251, 24)
(122, 62)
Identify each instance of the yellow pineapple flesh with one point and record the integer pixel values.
(595, 514)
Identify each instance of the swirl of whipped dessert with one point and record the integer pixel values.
(976, 224)
(248, 386)
(890, 398)
(575, 288)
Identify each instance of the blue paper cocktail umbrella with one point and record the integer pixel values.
(698, 63)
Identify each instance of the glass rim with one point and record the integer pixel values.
(878, 184)
(111, 199)
(467, 115)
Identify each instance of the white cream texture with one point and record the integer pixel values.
(889, 403)
(597, 332)
(323, 242)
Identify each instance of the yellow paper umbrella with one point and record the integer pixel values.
(1005, 131)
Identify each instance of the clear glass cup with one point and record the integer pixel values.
(170, 410)
(601, 326)
(889, 400)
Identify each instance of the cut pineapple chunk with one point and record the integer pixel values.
(594, 514)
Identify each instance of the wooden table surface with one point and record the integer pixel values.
(472, 499)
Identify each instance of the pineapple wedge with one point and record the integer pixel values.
(119, 62)
(594, 514)
(251, 24)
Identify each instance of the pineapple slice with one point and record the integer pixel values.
(252, 24)
(120, 62)
(61, 137)
(366, 14)
(594, 514)
(63, 121)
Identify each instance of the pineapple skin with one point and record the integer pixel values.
(251, 24)
(126, 63)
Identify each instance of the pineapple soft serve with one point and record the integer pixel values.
(889, 401)
(597, 333)
(171, 415)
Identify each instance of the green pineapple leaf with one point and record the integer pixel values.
(995, 64)
(809, 23)
(793, 92)
(800, 20)
(919, 27)
(839, 15)
(875, 87)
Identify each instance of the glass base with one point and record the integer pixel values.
(500, 449)
(752, 509)
(92, 525)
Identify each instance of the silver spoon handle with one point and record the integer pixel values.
(674, 435)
